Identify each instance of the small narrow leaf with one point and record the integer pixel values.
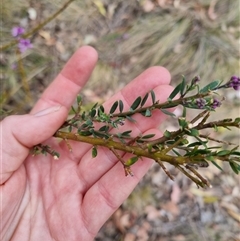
(79, 99)
(153, 97)
(235, 167)
(126, 133)
(148, 113)
(210, 86)
(216, 165)
(130, 119)
(93, 112)
(167, 133)
(184, 111)
(70, 128)
(136, 103)
(144, 100)
(148, 136)
(73, 109)
(95, 105)
(223, 153)
(120, 106)
(101, 108)
(114, 107)
(175, 91)
(94, 152)
(104, 128)
(84, 133)
(236, 153)
(183, 85)
(131, 161)
(194, 132)
(166, 112)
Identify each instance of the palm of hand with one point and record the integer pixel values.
(69, 198)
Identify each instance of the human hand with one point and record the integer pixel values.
(70, 198)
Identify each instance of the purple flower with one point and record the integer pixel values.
(24, 44)
(17, 31)
(234, 82)
(201, 103)
(216, 103)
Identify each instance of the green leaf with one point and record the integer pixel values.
(237, 120)
(216, 165)
(121, 106)
(178, 89)
(183, 85)
(104, 128)
(130, 119)
(94, 152)
(183, 123)
(236, 153)
(84, 133)
(148, 136)
(93, 113)
(194, 132)
(74, 111)
(70, 129)
(166, 112)
(79, 99)
(153, 97)
(131, 161)
(89, 123)
(184, 111)
(126, 133)
(175, 91)
(193, 144)
(210, 86)
(144, 100)
(223, 153)
(101, 108)
(136, 103)
(167, 133)
(114, 107)
(100, 134)
(94, 106)
(235, 167)
(83, 115)
(147, 113)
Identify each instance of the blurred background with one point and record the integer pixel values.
(190, 38)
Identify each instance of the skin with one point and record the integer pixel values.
(70, 198)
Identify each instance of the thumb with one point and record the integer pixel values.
(20, 133)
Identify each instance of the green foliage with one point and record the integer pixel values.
(187, 148)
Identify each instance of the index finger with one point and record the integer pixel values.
(63, 90)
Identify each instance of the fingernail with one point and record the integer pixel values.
(48, 110)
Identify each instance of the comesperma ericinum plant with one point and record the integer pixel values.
(187, 148)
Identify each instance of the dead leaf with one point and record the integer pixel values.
(161, 3)
(148, 6)
(172, 208)
(211, 11)
(60, 47)
(49, 41)
(176, 193)
(123, 220)
(129, 237)
(232, 210)
(152, 213)
(100, 7)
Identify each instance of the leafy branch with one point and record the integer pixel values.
(187, 148)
